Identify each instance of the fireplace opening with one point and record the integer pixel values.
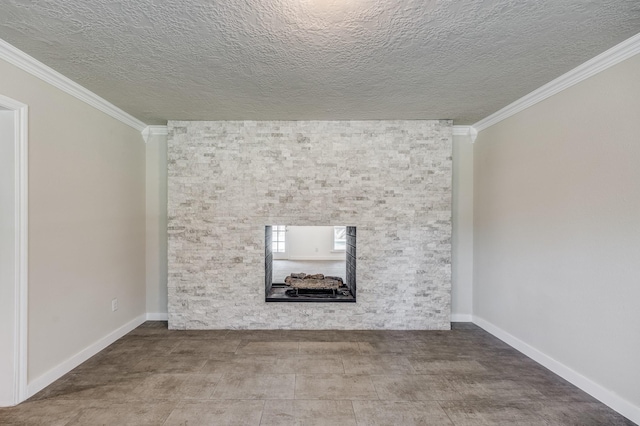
(310, 263)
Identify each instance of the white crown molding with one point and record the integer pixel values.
(469, 131)
(607, 59)
(604, 395)
(36, 68)
(154, 131)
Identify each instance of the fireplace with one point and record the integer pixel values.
(310, 263)
(390, 179)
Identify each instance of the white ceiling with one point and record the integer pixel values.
(315, 59)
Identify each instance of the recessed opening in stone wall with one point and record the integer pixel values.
(310, 263)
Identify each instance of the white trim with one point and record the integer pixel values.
(36, 68)
(599, 392)
(607, 59)
(461, 318)
(22, 227)
(63, 368)
(154, 131)
(157, 316)
(468, 131)
(21, 200)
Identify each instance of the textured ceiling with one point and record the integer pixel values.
(315, 59)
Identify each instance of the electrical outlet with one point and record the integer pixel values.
(114, 305)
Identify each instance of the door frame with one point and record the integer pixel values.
(20, 206)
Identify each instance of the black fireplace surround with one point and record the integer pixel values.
(349, 280)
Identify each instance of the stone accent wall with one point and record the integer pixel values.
(390, 179)
(351, 259)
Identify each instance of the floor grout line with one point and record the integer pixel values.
(353, 410)
(445, 412)
(264, 404)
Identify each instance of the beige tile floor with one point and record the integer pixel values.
(154, 376)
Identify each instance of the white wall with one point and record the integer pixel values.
(311, 243)
(557, 230)
(462, 239)
(156, 225)
(86, 221)
(7, 256)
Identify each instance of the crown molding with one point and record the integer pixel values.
(607, 59)
(469, 131)
(149, 131)
(36, 68)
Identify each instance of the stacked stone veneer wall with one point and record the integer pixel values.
(390, 179)
(351, 260)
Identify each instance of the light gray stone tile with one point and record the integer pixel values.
(390, 179)
(206, 413)
(41, 412)
(268, 348)
(446, 367)
(377, 364)
(255, 386)
(414, 388)
(329, 348)
(392, 413)
(308, 413)
(493, 412)
(124, 413)
(334, 386)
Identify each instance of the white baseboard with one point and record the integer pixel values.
(461, 318)
(60, 370)
(334, 258)
(602, 394)
(157, 316)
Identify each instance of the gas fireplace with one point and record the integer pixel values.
(310, 263)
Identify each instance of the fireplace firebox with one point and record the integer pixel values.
(310, 263)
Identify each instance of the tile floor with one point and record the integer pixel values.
(154, 376)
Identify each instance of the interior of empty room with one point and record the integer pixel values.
(248, 200)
